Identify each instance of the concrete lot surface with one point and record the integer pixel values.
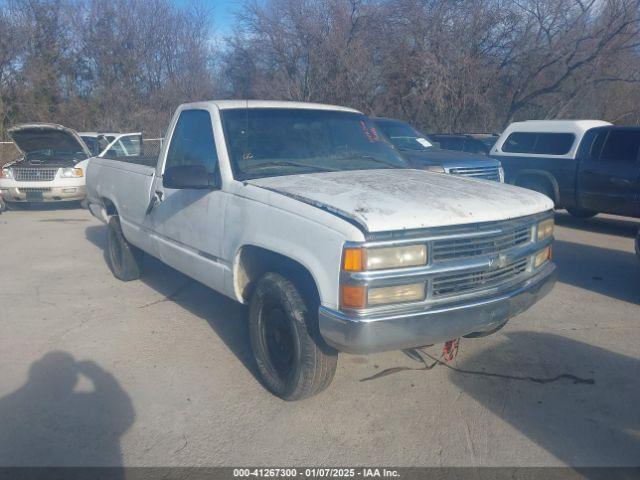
(158, 372)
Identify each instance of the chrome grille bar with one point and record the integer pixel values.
(34, 174)
(468, 281)
(487, 173)
(470, 247)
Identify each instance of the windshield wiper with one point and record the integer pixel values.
(314, 168)
(372, 159)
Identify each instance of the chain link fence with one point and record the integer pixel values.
(151, 147)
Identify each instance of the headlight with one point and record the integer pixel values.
(379, 258)
(359, 296)
(545, 229)
(501, 174)
(6, 173)
(434, 168)
(413, 292)
(541, 257)
(71, 173)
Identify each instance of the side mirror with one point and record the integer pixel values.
(188, 176)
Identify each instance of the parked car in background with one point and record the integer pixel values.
(465, 142)
(423, 154)
(52, 167)
(121, 144)
(585, 166)
(303, 212)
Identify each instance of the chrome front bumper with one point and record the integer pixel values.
(49, 194)
(353, 334)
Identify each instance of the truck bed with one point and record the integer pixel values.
(147, 160)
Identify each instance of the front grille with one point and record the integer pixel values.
(459, 283)
(34, 174)
(486, 173)
(34, 189)
(486, 245)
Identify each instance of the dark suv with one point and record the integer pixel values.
(423, 154)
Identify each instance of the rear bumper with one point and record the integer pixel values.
(392, 332)
(49, 194)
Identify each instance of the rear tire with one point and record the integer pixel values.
(638, 244)
(581, 212)
(125, 260)
(293, 360)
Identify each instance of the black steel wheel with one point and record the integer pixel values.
(292, 359)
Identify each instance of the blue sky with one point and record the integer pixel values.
(223, 10)
(223, 14)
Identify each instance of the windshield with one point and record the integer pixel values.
(404, 136)
(266, 142)
(91, 143)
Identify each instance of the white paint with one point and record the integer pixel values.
(393, 199)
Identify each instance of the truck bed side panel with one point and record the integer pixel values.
(127, 186)
(561, 170)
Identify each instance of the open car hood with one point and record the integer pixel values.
(399, 199)
(33, 137)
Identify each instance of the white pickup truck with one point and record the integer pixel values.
(303, 212)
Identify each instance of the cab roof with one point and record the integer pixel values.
(576, 127)
(230, 104)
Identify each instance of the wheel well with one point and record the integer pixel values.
(525, 179)
(253, 262)
(109, 207)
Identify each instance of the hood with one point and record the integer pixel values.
(447, 158)
(398, 199)
(50, 142)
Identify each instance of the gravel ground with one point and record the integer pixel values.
(158, 372)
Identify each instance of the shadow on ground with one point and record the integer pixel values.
(601, 270)
(579, 423)
(53, 421)
(44, 206)
(621, 226)
(225, 316)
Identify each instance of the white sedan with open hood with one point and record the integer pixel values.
(52, 167)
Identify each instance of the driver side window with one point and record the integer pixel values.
(192, 142)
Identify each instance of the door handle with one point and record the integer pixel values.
(156, 198)
(620, 181)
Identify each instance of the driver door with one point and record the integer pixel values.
(189, 222)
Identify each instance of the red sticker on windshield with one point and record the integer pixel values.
(370, 133)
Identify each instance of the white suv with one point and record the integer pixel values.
(52, 167)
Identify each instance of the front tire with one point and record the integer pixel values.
(638, 244)
(293, 360)
(125, 260)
